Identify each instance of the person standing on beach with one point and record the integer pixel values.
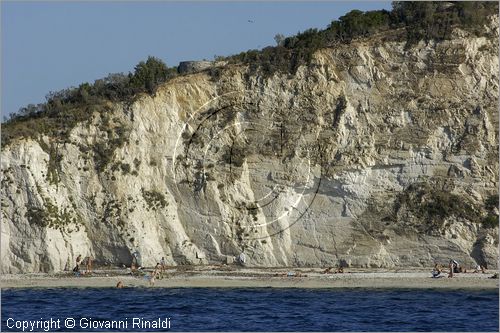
(78, 262)
(157, 270)
(162, 263)
(455, 266)
(88, 268)
(154, 275)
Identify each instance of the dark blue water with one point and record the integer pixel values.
(200, 309)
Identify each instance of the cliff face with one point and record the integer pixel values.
(375, 155)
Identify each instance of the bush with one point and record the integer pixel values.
(154, 199)
(490, 221)
(432, 205)
(491, 202)
(125, 168)
(148, 75)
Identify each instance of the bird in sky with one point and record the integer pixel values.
(250, 21)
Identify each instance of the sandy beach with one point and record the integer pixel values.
(216, 277)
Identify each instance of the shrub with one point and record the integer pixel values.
(148, 75)
(125, 168)
(490, 221)
(491, 202)
(154, 199)
(432, 205)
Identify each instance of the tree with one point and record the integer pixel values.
(279, 39)
(149, 74)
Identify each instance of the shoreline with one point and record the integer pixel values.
(255, 278)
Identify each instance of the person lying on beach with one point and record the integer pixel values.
(119, 284)
(328, 270)
(479, 268)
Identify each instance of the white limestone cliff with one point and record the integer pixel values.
(333, 164)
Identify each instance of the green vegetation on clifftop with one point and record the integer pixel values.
(65, 108)
(413, 21)
(416, 20)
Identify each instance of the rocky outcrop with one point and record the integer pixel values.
(375, 155)
(193, 66)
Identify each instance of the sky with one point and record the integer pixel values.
(49, 46)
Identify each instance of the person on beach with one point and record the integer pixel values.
(88, 266)
(450, 266)
(163, 265)
(119, 284)
(436, 272)
(479, 268)
(78, 262)
(455, 266)
(157, 271)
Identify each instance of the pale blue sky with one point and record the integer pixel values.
(49, 46)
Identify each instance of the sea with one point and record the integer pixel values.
(248, 309)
